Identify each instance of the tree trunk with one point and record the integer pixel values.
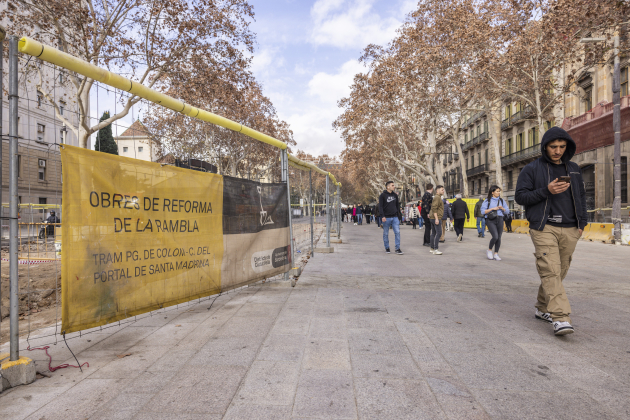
(494, 125)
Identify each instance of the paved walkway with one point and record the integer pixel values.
(364, 335)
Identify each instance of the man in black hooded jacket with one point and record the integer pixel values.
(552, 190)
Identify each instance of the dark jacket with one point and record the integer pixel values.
(447, 210)
(460, 209)
(359, 210)
(427, 199)
(532, 186)
(388, 205)
(478, 208)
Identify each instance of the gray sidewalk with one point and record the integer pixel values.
(363, 335)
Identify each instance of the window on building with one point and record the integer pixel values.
(473, 187)
(41, 132)
(624, 81)
(532, 136)
(466, 137)
(519, 142)
(42, 200)
(479, 159)
(62, 106)
(478, 130)
(140, 149)
(41, 163)
(509, 178)
(487, 159)
(508, 147)
(624, 179)
(125, 149)
(485, 126)
(508, 111)
(549, 124)
(40, 99)
(519, 107)
(588, 99)
(62, 136)
(472, 161)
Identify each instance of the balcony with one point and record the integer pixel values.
(598, 110)
(472, 119)
(466, 146)
(517, 118)
(529, 153)
(483, 137)
(450, 158)
(478, 170)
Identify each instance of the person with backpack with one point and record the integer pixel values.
(425, 213)
(494, 209)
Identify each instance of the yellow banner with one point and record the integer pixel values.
(136, 237)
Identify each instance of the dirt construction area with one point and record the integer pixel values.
(40, 292)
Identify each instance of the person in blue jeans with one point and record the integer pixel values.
(389, 209)
(494, 203)
(481, 220)
(360, 214)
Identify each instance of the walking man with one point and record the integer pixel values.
(360, 214)
(389, 208)
(481, 220)
(460, 214)
(552, 190)
(437, 211)
(425, 212)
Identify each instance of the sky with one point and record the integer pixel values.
(307, 56)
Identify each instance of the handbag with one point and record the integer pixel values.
(493, 214)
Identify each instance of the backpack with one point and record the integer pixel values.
(427, 200)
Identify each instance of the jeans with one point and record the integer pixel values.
(496, 230)
(481, 225)
(378, 221)
(360, 219)
(420, 220)
(395, 223)
(436, 232)
(459, 226)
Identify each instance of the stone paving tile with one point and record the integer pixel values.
(385, 342)
(291, 324)
(19, 403)
(79, 402)
(235, 351)
(379, 398)
(326, 354)
(332, 328)
(176, 416)
(246, 327)
(199, 390)
(254, 411)
(501, 404)
(384, 366)
(136, 360)
(325, 394)
(280, 347)
(271, 383)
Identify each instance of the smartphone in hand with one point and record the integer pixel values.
(565, 179)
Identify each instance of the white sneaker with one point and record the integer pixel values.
(490, 255)
(432, 250)
(437, 252)
(543, 316)
(459, 237)
(496, 257)
(562, 328)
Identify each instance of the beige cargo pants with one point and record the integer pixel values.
(554, 252)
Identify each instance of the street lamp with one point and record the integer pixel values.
(616, 88)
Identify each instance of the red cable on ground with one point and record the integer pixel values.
(52, 369)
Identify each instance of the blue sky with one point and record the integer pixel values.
(307, 55)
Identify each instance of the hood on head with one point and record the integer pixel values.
(557, 133)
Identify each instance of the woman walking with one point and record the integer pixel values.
(493, 209)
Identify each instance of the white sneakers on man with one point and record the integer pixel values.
(562, 328)
(437, 252)
(543, 316)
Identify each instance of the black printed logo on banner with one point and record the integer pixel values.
(280, 257)
(251, 207)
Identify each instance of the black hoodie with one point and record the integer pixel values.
(388, 205)
(532, 187)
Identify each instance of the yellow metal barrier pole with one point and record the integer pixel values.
(67, 61)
